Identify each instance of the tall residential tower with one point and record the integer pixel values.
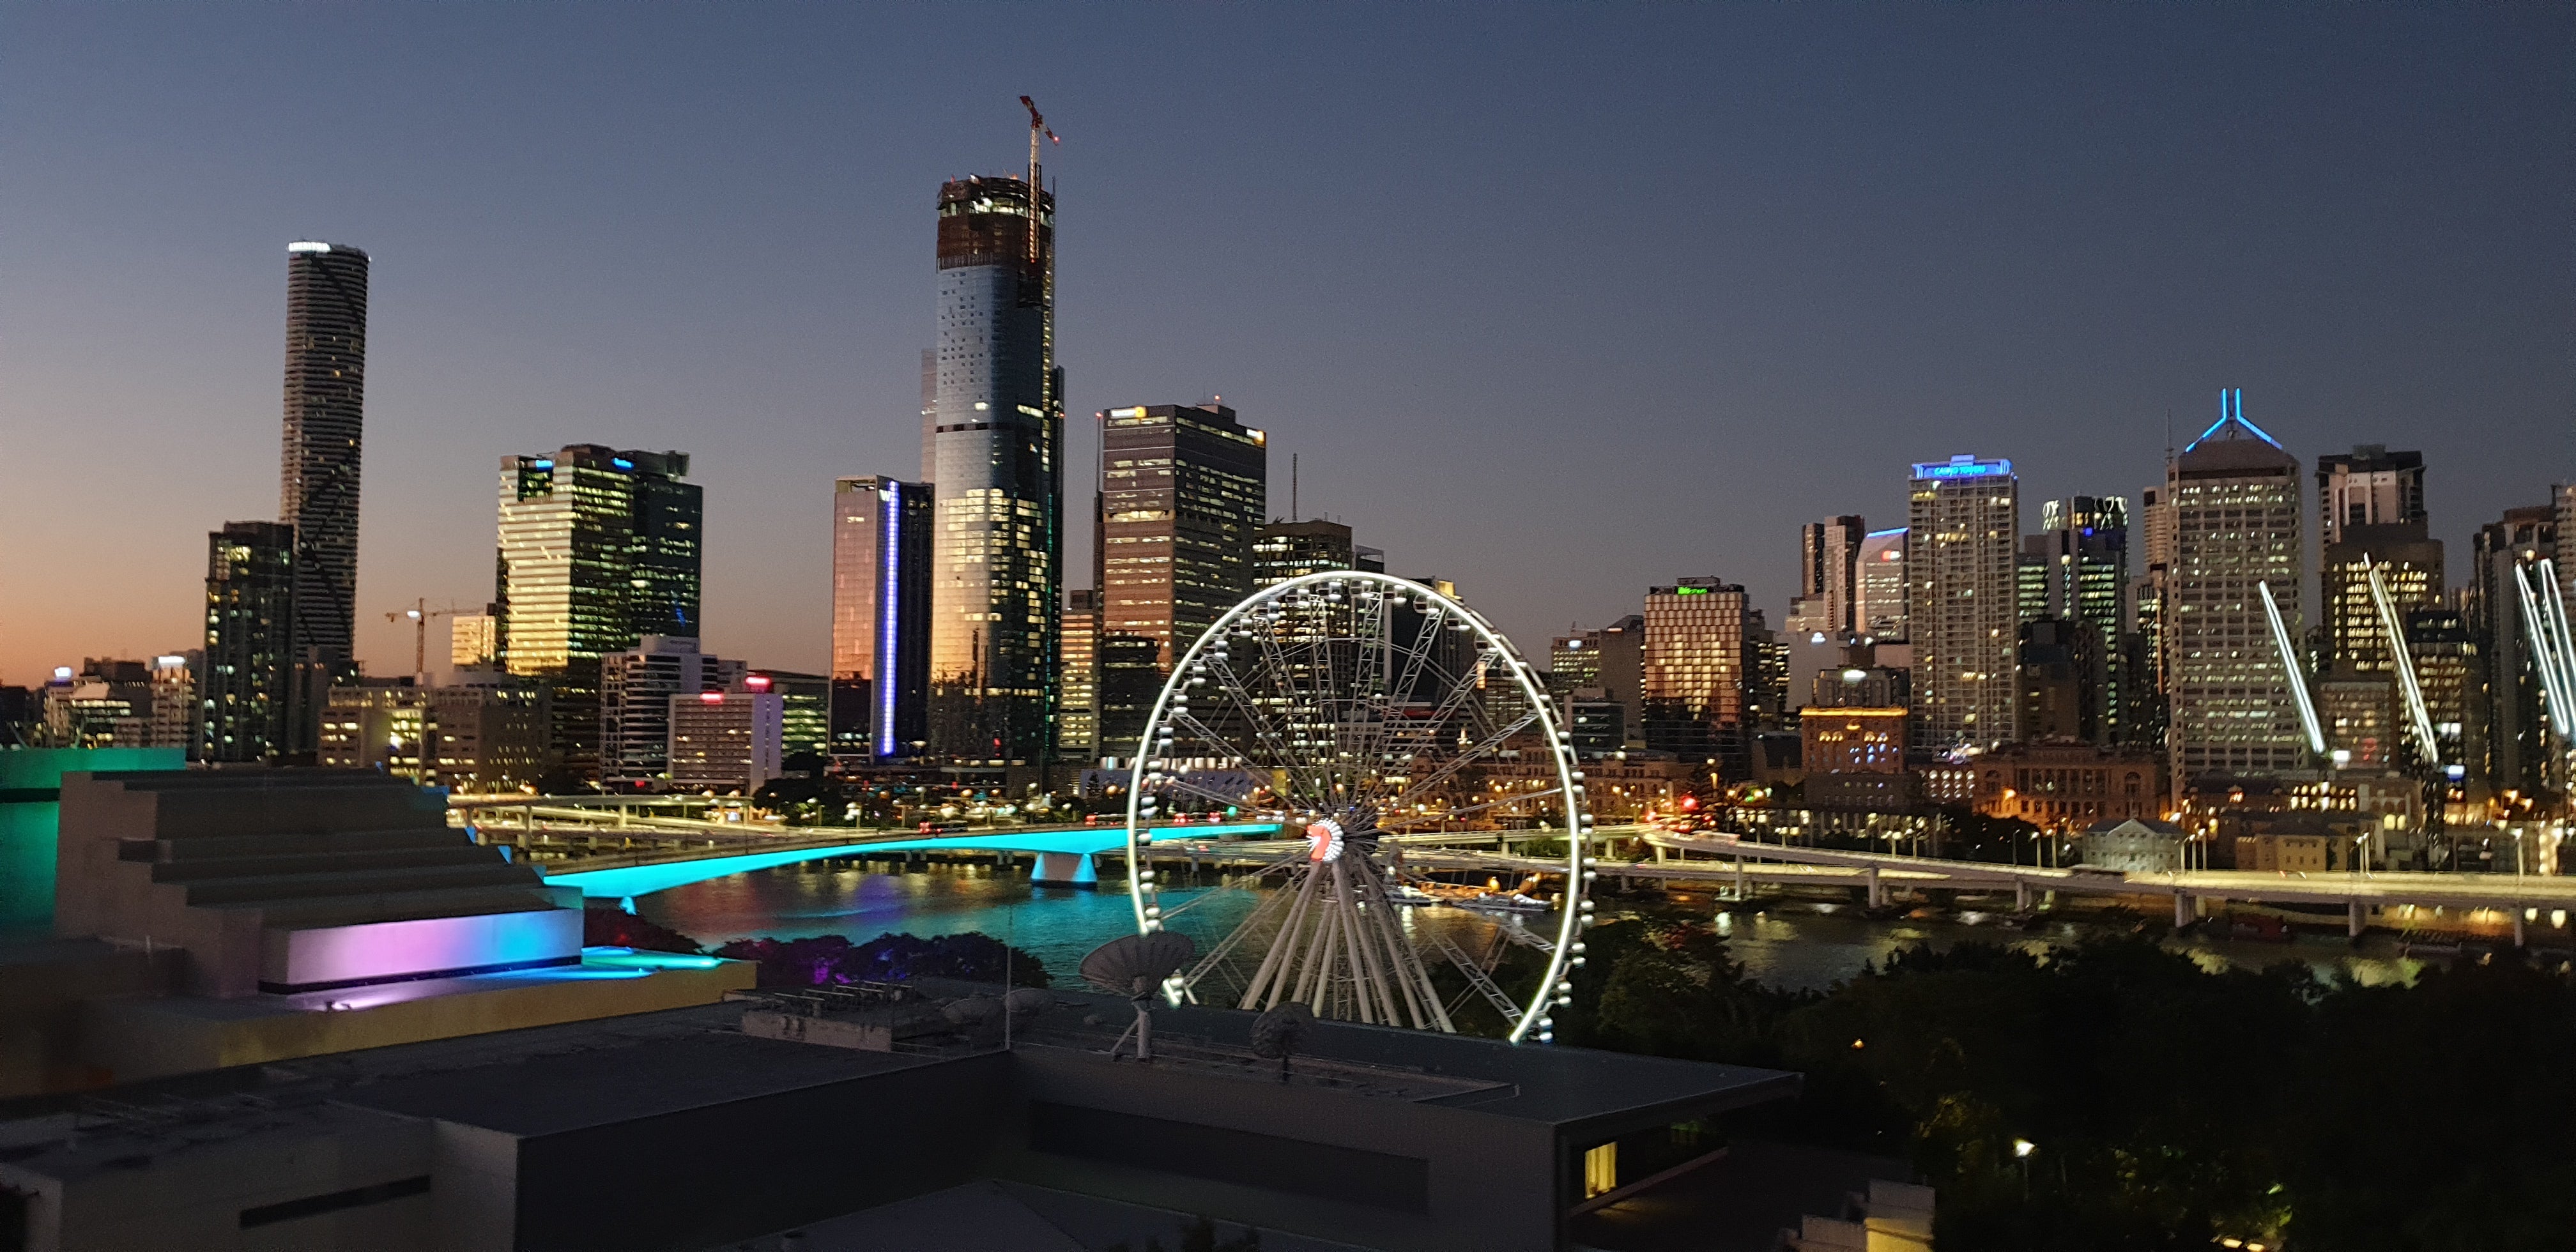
(1963, 525)
(326, 392)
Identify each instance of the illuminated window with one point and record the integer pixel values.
(1601, 1170)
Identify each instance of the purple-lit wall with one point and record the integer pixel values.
(384, 951)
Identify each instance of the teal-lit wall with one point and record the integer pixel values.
(30, 817)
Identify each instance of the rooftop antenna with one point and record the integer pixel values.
(1293, 514)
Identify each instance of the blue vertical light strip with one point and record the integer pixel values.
(890, 560)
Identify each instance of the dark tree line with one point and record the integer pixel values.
(2166, 1105)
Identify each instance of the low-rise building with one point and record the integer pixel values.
(2069, 786)
(485, 733)
(2134, 845)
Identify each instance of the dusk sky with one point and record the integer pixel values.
(1554, 302)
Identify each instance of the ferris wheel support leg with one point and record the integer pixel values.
(1365, 943)
(1271, 980)
(1309, 974)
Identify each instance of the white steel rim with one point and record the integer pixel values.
(1575, 911)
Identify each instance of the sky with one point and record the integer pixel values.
(1555, 302)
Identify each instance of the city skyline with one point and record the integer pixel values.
(426, 535)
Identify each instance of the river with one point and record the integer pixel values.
(1787, 944)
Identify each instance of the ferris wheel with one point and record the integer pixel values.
(1364, 715)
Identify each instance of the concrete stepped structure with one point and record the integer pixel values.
(287, 881)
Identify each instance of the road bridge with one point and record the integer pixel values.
(1065, 855)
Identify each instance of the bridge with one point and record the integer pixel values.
(1065, 855)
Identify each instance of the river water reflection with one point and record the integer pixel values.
(1787, 944)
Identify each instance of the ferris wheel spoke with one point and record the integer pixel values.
(1466, 758)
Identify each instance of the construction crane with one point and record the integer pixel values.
(1037, 127)
(420, 613)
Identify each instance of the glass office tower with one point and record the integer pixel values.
(881, 553)
(598, 548)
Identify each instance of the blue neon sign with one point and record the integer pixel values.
(1963, 466)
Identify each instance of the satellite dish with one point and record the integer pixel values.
(1135, 966)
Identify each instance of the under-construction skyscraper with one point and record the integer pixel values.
(995, 431)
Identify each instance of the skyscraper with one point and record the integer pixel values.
(1077, 710)
(2077, 566)
(996, 429)
(2371, 514)
(881, 558)
(250, 611)
(598, 548)
(1694, 668)
(2514, 731)
(1183, 490)
(1963, 526)
(635, 690)
(1611, 659)
(2237, 523)
(1885, 592)
(1828, 576)
(326, 390)
(1285, 550)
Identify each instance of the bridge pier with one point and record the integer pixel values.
(1877, 893)
(2021, 895)
(2517, 930)
(2186, 909)
(2353, 917)
(1065, 869)
(1741, 894)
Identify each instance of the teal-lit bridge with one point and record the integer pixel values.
(1065, 855)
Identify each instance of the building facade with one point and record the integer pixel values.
(598, 548)
(1285, 550)
(2076, 569)
(1829, 577)
(2067, 787)
(326, 391)
(881, 613)
(2514, 730)
(804, 709)
(473, 640)
(1182, 494)
(1693, 672)
(636, 687)
(2238, 527)
(480, 737)
(1611, 660)
(724, 741)
(1077, 709)
(994, 437)
(1885, 593)
(250, 612)
(1963, 529)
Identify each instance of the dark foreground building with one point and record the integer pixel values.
(784, 1123)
